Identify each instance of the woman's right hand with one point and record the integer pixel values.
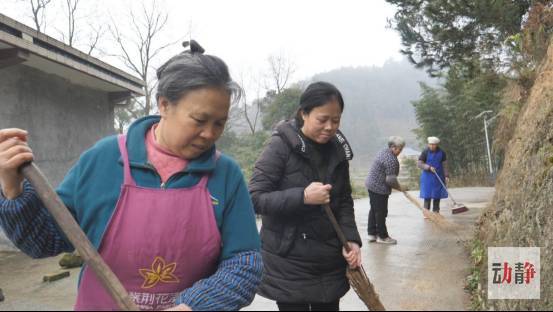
(14, 152)
(317, 194)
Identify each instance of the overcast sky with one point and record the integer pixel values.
(317, 35)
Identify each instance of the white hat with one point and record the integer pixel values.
(433, 140)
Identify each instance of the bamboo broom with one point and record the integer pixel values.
(357, 277)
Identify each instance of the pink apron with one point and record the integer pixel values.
(158, 242)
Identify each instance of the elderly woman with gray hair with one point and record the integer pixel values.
(168, 213)
(381, 180)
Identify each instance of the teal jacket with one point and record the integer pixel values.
(91, 189)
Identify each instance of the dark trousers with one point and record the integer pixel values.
(436, 206)
(378, 215)
(333, 306)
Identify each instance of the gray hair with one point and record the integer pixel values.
(192, 70)
(396, 141)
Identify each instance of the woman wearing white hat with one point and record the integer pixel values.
(433, 161)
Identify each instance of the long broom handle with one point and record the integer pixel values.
(413, 200)
(337, 228)
(445, 187)
(77, 237)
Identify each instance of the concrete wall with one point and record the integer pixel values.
(63, 119)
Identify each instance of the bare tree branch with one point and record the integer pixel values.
(251, 111)
(281, 70)
(124, 55)
(244, 103)
(258, 102)
(71, 18)
(140, 48)
(96, 34)
(37, 10)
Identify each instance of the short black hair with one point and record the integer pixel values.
(316, 95)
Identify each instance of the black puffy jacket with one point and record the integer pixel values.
(302, 255)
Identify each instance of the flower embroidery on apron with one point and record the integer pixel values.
(160, 272)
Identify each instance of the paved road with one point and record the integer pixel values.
(425, 271)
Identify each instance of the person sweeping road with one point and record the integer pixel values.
(304, 167)
(382, 178)
(169, 214)
(432, 162)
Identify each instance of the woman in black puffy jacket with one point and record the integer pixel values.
(304, 166)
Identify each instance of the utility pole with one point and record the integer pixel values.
(486, 122)
(488, 145)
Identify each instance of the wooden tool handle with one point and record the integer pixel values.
(77, 237)
(373, 302)
(337, 227)
(414, 201)
(445, 187)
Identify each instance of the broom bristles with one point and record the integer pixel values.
(436, 218)
(360, 283)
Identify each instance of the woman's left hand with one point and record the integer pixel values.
(354, 256)
(180, 307)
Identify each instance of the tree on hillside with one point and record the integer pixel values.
(448, 112)
(476, 45)
(439, 33)
(281, 106)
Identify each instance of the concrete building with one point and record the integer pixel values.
(63, 97)
(409, 173)
(409, 153)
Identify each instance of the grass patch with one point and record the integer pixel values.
(473, 281)
(358, 191)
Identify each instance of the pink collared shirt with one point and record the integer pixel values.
(165, 163)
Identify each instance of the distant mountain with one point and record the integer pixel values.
(378, 105)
